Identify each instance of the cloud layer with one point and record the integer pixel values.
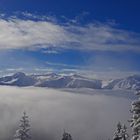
(24, 33)
(50, 111)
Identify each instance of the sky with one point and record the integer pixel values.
(81, 35)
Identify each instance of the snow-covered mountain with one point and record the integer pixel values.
(66, 81)
(18, 79)
(130, 83)
(54, 80)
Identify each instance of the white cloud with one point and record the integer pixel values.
(13, 70)
(50, 51)
(18, 33)
(63, 65)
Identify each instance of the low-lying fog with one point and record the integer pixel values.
(86, 117)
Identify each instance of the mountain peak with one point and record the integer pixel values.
(19, 74)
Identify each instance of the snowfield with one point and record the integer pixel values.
(50, 111)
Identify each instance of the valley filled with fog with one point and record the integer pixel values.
(86, 114)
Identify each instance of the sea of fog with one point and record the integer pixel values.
(86, 116)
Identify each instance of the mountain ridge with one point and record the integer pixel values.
(54, 80)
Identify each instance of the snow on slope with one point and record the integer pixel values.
(18, 79)
(54, 80)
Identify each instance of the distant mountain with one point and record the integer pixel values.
(54, 80)
(67, 81)
(130, 83)
(18, 79)
(110, 84)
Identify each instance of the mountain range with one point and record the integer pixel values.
(53, 80)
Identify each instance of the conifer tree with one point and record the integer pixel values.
(135, 120)
(124, 132)
(66, 136)
(121, 132)
(23, 132)
(117, 134)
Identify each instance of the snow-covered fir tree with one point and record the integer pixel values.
(121, 132)
(135, 120)
(117, 134)
(23, 132)
(124, 133)
(66, 136)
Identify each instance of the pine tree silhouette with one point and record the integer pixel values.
(23, 132)
(66, 136)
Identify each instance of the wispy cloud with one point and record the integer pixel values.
(62, 65)
(25, 33)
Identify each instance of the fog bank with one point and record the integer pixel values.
(86, 117)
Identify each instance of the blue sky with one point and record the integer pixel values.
(95, 35)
